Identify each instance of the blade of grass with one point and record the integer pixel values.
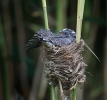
(47, 27)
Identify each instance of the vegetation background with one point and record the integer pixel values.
(21, 71)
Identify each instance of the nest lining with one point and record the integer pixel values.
(65, 63)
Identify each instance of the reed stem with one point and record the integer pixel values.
(47, 27)
(52, 91)
(59, 15)
(45, 14)
(80, 11)
(74, 94)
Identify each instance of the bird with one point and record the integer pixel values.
(44, 36)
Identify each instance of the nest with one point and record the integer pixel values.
(66, 64)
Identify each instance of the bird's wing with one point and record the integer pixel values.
(61, 41)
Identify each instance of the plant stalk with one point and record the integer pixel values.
(47, 27)
(52, 92)
(80, 11)
(59, 15)
(45, 14)
(74, 94)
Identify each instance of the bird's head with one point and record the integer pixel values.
(68, 32)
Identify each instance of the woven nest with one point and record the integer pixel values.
(66, 64)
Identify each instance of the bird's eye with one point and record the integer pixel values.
(65, 33)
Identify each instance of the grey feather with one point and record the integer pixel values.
(66, 37)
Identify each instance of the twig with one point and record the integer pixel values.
(92, 52)
(60, 85)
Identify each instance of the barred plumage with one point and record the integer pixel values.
(66, 37)
(63, 57)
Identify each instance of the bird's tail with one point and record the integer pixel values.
(39, 37)
(33, 43)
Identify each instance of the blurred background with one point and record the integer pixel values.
(21, 71)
